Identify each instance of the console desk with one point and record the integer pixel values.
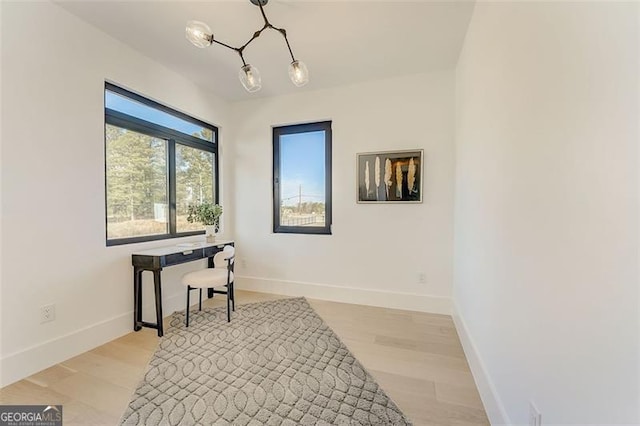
(154, 260)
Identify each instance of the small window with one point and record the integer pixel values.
(158, 161)
(302, 178)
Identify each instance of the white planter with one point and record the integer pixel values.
(210, 233)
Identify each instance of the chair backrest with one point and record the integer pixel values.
(220, 258)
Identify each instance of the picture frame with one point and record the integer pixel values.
(389, 176)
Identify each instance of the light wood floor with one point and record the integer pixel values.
(415, 357)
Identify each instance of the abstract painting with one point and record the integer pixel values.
(390, 177)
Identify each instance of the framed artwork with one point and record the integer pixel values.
(390, 177)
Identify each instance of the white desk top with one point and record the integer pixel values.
(181, 247)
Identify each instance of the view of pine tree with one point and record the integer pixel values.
(194, 181)
(194, 175)
(136, 173)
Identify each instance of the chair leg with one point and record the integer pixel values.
(228, 306)
(233, 296)
(187, 311)
(200, 304)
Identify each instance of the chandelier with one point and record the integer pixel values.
(201, 36)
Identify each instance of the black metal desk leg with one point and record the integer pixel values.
(137, 299)
(210, 290)
(158, 288)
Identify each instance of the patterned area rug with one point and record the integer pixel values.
(276, 363)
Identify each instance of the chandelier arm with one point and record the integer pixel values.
(224, 44)
(264, 15)
(284, 34)
(255, 36)
(238, 50)
(242, 57)
(282, 31)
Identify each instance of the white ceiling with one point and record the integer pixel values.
(341, 42)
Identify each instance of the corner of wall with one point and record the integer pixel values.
(490, 399)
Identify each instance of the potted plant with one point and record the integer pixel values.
(209, 215)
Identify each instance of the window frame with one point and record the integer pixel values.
(277, 132)
(173, 137)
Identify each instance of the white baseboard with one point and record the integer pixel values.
(21, 364)
(360, 296)
(490, 399)
(25, 362)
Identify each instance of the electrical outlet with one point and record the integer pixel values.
(535, 418)
(243, 263)
(47, 313)
(422, 278)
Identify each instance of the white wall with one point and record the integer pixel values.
(546, 210)
(53, 245)
(1, 186)
(375, 252)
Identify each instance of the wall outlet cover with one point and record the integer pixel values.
(47, 313)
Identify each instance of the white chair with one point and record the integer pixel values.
(221, 275)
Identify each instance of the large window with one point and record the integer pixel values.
(302, 178)
(158, 161)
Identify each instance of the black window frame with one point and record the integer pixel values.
(279, 131)
(122, 120)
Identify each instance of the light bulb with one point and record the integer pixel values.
(199, 34)
(250, 78)
(298, 73)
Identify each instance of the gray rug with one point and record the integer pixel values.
(276, 363)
